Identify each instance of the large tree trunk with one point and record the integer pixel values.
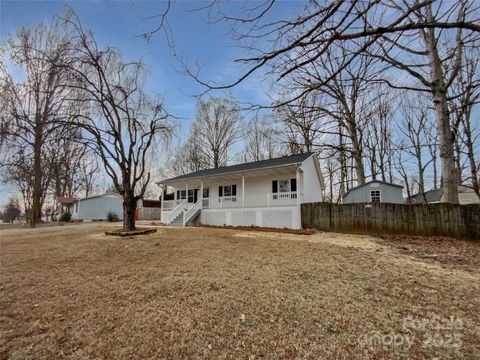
(36, 212)
(359, 168)
(447, 155)
(129, 205)
(343, 166)
(471, 156)
(445, 135)
(356, 153)
(458, 159)
(433, 153)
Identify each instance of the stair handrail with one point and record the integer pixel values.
(187, 216)
(173, 214)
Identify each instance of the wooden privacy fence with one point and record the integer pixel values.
(147, 213)
(461, 221)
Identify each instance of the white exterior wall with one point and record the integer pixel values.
(276, 217)
(96, 208)
(312, 190)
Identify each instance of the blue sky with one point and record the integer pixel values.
(119, 24)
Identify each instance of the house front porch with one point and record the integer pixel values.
(267, 197)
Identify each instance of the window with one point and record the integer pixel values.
(375, 196)
(284, 186)
(229, 191)
(206, 192)
(190, 196)
(181, 194)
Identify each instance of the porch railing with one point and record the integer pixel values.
(169, 205)
(191, 212)
(251, 200)
(171, 215)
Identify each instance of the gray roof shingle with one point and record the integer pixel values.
(256, 165)
(430, 196)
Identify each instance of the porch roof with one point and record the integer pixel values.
(241, 168)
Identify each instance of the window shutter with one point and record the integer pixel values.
(178, 194)
(274, 186)
(220, 191)
(234, 190)
(293, 185)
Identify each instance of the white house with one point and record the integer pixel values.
(264, 193)
(97, 207)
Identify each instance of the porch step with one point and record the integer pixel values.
(178, 221)
(194, 218)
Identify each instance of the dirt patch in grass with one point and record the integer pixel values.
(437, 248)
(138, 231)
(260, 228)
(198, 293)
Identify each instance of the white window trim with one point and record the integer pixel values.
(379, 195)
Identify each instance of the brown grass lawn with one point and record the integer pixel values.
(195, 293)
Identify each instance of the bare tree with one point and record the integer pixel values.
(17, 170)
(379, 134)
(123, 123)
(416, 128)
(87, 173)
(217, 127)
(261, 140)
(67, 157)
(301, 122)
(34, 108)
(189, 156)
(349, 103)
(399, 161)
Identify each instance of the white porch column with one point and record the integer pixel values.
(297, 177)
(243, 191)
(161, 202)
